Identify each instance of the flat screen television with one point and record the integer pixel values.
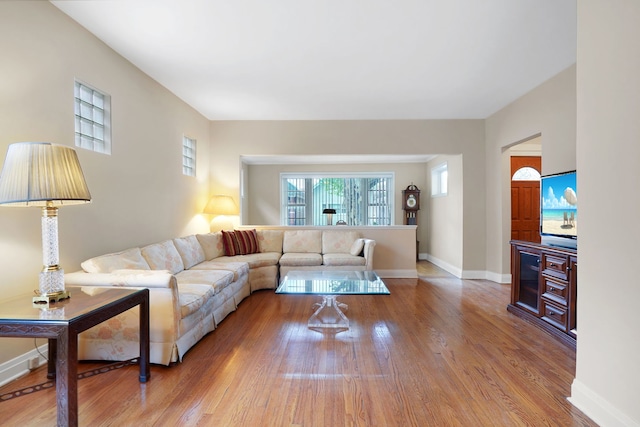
(559, 210)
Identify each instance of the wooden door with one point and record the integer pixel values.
(525, 201)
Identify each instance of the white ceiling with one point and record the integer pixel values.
(339, 59)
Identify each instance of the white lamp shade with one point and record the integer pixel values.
(221, 205)
(41, 174)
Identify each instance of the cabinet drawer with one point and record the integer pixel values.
(554, 314)
(555, 291)
(555, 266)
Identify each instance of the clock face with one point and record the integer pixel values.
(411, 201)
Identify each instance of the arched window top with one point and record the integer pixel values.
(526, 174)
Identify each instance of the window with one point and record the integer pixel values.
(93, 119)
(188, 156)
(439, 178)
(526, 174)
(359, 199)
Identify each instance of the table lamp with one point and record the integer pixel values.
(47, 176)
(329, 213)
(221, 205)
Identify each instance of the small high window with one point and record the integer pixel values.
(188, 156)
(93, 119)
(439, 180)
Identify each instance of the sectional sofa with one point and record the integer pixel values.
(196, 281)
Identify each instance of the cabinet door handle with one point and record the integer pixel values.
(552, 264)
(551, 288)
(551, 312)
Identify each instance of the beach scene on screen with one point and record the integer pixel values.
(559, 205)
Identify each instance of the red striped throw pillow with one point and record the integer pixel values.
(247, 241)
(230, 243)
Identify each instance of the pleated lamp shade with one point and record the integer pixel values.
(42, 174)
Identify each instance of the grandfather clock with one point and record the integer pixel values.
(411, 206)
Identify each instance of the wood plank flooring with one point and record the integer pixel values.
(438, 351)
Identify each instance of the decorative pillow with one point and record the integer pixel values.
(270, 240)
(302, 241)
(357, 247)
(338, 242)
(163, 256)
(247, 241)
(190, 250)
(130, 259)
(230, 243)
(211, 244)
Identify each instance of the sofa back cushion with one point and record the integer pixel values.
(302, 241)
(190, 250)
(230, 243)
(211, 244)
(131, 259)
(338, 242)
(270, 240)
(247, 241)
(163, 256)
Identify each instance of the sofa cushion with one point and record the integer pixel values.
(270, 240)
(190, 250)
(163, 256)
(338, 242)
(296, 259)
(217, 279)
(230, 243)
(192, 297)
(247, 241)
(302, 241)
(254, 260)
(211, 244)
(238, 269)
(357, 247)
(131, 259)
(343, 260)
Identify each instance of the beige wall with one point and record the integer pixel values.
(139, 193)
(445, 220)
(549, 111)
(232, 139)
(608, 150)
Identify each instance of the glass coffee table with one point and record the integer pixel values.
(331, 284)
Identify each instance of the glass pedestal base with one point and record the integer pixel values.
(329, 314)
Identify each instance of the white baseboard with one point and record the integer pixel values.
(443, 265)
(498, 278)
(19, 366)
(597, 408)
(467, 274)
(397, 274)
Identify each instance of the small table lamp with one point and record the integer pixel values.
(329, 213)
(221, 205)
(44, 175)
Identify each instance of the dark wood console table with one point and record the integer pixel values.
(61, 323)
(543, 288)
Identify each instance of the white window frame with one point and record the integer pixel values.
(189, 151)
(439, 180)
(311, 212)
(92, 112)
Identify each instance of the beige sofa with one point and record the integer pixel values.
(194, 284)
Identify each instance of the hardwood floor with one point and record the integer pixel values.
(438, 351)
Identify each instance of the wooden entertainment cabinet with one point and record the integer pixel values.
(543, 288)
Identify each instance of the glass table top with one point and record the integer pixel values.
(330, 282)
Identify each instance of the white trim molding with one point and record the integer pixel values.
(597, 408)
(23, 364)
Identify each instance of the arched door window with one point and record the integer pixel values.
(526, 173)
